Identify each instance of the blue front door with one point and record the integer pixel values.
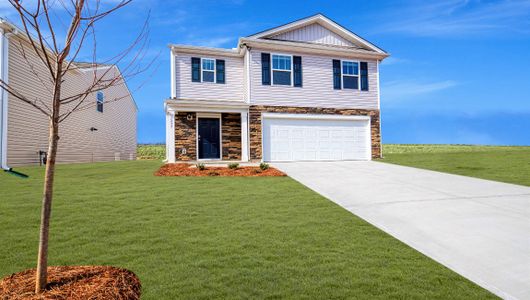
(209, 139)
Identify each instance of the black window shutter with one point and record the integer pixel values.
(220, 70)
(265, 69)
(297, 68)
(336, 74)
(195, 69)
(364, 76)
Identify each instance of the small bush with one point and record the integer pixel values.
(213, 173)
(233, 166)
(200, 166)
(264, 166)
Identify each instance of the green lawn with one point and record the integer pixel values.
(225, 238)
(500, 163)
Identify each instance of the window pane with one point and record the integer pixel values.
(208, 64)
(345, 67)
(281, 62)
(281, 77)
(207, 76)
(350, 68)
(275, 62)
(351, 82)
(287, 62)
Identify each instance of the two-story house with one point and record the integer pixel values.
(304, 91)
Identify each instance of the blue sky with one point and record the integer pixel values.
(459, 70)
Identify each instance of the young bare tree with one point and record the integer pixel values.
(43, 22)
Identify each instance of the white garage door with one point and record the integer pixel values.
(317, 139)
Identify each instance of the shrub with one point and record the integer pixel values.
(264, 166)
(200, 166)
(233, 166)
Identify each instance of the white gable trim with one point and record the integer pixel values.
(325, 22)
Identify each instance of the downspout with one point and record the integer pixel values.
(3, 106)
(4, 76)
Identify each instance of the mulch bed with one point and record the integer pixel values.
(183, 169)
(74, 282)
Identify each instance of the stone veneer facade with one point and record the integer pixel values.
(255, 112)
(186, 136)
(231, 136)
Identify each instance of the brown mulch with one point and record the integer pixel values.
(74, 282)
(183, 169)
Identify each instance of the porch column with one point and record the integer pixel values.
(244, 136)
(170, 136)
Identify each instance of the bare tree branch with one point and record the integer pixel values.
(53, 65)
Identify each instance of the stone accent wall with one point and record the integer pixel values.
(231, 136)
(255, 123)
(185, 136)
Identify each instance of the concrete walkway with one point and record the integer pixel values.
(478, 228)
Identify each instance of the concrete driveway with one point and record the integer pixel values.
(478, 228)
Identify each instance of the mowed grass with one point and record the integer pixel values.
(207, 238)
(500, 163)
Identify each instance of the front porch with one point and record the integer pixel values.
(206, 131)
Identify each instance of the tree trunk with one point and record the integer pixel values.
(53, 140)
(42, 263)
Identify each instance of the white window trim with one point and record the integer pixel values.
(208, 116)
(214, 70)
(349, 75)
(99, 101)
(272, 69)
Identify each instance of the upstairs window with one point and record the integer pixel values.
(208, 70)
(281, 69)
(99, 101)
(350, 75)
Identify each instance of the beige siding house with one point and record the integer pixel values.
(304, 91)
(92, 134)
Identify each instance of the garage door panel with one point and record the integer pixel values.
(315, 139)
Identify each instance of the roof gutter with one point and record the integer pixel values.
(310, 48)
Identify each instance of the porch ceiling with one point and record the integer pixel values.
(206, 106)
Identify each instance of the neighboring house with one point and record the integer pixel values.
(105, 130)
(304, 91)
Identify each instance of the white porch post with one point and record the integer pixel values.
(244, 136)
(170, 136)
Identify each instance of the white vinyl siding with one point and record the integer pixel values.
(317, 90)
(313, 33)
(232, 90)
(28, 128)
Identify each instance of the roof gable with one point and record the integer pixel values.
(317, 29)
(313, 33)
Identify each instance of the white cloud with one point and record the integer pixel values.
(459, 18)
(467, 136)
(394, 61)
(211, 42)
(399, 90)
